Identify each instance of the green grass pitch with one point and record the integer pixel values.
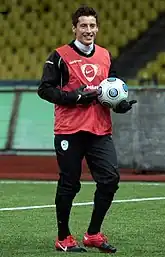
(137, 229)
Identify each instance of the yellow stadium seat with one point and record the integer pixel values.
(42, 54)
(113, 50)
(20, 27)
(159, 5)
(143, 74)
(132, 33)
(13, 39)
(1, 22)
(2, 43)
(161, 58)
(30, 39)
(4, 26)
(125, 6)
(142, 5)
(6, 53)
(142, 25)
(125, 26)
(132, 82)
(134, 15)
(155, 67)
(121, 41)
(31, 18)
(161, 77)
(31, 5)
(150, 15)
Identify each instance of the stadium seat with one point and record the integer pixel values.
(161, 77)
(158, 5)
(161, 58)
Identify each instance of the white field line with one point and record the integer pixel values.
(82, 182)
(82, 204)
(43, 182)
(152, 184)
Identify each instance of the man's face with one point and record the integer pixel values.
(86, 30)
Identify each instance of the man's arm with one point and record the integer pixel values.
(51, 79)
(55, 76)
(112, 70)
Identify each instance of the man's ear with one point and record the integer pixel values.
(73, 29)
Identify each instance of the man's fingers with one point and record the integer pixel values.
(82, 87)
(132, 102)
(92, 92)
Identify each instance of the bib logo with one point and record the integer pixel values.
(64, 145)
(89, 71)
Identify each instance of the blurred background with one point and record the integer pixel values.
(133, 31)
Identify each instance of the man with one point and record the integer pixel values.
(83, 128)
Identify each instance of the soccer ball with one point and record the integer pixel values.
(112, 91)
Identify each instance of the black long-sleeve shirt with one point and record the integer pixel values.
(55, 73)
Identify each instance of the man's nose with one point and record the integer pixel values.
(88, 29)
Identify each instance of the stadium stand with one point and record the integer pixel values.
(31, 29)
(154, 70)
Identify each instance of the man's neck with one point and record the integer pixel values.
(83, 48)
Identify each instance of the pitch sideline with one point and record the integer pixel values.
(44, 182)
(82, 204)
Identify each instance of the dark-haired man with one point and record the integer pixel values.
(83, 128)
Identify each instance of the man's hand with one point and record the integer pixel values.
(85, 97)
(124, 106)
(78, 96)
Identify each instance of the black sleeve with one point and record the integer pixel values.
(51, 79)
(112, 70)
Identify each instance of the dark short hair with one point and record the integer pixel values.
(83, 11)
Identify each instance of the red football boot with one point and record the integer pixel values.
(69, 244)
(98, 241)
